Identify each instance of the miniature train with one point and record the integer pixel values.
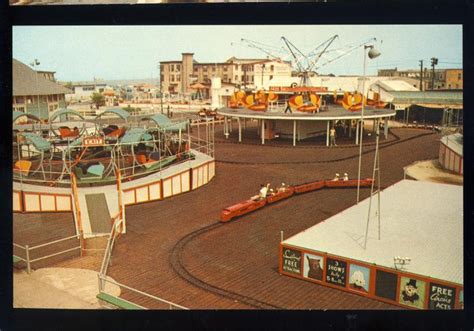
(248, 206)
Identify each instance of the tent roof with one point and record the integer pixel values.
(428, 99)
(135, 135)
(18, 114)
(165, 123)
(64, 111)
(117, 111)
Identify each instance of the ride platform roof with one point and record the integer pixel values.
(18, 114)
(163, 122)
(38, 142)
(117, 111)
(135, 135)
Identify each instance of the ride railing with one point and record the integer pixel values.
(200, 139)
(171, 305)
(26, 258)
(103, 279)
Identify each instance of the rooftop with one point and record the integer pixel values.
(420, 220)
(26, 81)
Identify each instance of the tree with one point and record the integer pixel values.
(98, 99)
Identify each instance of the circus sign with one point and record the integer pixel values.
(441, 297)
(93, 141)
(291, 261)
(296, 89)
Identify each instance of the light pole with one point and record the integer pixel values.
(372, 54)
(34, 64)
(161, 89)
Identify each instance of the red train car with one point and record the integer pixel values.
(310, 186)
(281, 195)
(349, 183)
(241, 208)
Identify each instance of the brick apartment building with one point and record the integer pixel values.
(444, 79)
(178, 76)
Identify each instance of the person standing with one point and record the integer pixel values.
(288, 108)
(332, 137)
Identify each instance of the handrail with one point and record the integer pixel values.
(171, 304)
(53, 242)
(54, 254)
(19, 246)
(27, 250)
(78, 209)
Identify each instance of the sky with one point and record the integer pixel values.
(81, 53)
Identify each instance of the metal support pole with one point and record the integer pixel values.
(385, 128)
(350, 128)
(376, 169)
(240, 129)
(299, 130)
(263, 131)
(230, 124)
(357, 132)
(327, 135)
(28, 266)
(361, 127)
(294, 133)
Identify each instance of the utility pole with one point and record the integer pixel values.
(421, 75)
(434, 61)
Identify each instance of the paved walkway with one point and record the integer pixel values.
(58, 288)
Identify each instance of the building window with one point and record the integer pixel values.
(236, 78)
(271, 77)
(196, 69)
(204, 68)
(178, 67)
(272, 67)
(213, 69)
(205, 77)
(88, 88)
(22, 109)
(459, 76)
(225, 68)
(243, 78)
(236, 67)
(20, 100)
(225, 78)
(178, 78)
(172, 78)
(172, 67)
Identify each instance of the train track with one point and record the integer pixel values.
(176, 260)
(176, 257)
(397, 140)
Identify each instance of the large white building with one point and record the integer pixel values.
(82, 91)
